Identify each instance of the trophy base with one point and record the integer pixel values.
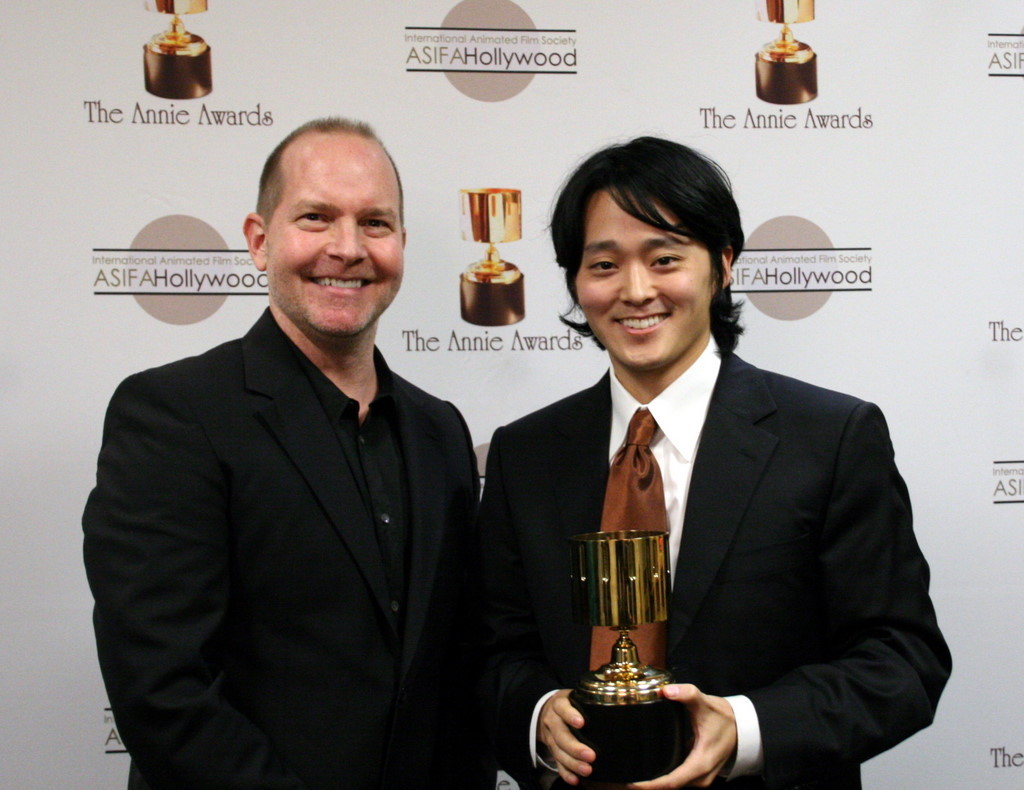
(492, 304)
(787, 83)
(634, 742)
(178, 76)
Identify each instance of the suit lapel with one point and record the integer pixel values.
(291, 411)
(580, 459)
(422, 452)
(578, 471)
(730, 461)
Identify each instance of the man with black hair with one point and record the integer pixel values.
(801, 630)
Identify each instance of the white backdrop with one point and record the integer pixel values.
(930, 192)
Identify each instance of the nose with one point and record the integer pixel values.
(345, 241)
(637, 286)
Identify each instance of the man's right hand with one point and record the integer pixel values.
(572, 758)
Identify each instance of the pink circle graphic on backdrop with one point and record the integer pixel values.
(174, 233)
(490, 15)
(788, 233)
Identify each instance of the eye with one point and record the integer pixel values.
(601, 266)
(313, 216)
(378, 226)
(665, 261)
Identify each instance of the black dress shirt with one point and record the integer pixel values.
(375, 455)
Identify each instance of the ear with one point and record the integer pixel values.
(256, 236)
(727, 267)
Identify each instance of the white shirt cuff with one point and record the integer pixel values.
(538, 752)
(749, 749)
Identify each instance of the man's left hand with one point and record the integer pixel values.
(714, 740)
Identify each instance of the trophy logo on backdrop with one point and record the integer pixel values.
(177, 63)
(785, 74)
(489, 50)
(789, 268)
(786, 70)
(492, 292)
(177, 66)
(491, 289)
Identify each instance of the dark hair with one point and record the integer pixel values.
(648, 177)
(271, 182)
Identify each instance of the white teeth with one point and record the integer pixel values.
(334, 282)
(641, 323)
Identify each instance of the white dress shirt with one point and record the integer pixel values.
(680, 410)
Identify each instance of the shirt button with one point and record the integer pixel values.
(362, 439)
(385, 518)
(394, 606)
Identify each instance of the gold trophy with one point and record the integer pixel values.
(787, 69)
(177, 63)
(491, 290)
(621, 580)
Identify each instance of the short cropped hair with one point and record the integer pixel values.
(648, 177)
(272, 181)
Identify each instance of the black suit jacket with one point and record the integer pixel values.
(242, 618)
(799, 581)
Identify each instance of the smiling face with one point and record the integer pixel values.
(646, 294)
(333, 246)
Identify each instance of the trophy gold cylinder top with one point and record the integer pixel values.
(620, 580)
(176, 62)
(491, 289)
(786, 69)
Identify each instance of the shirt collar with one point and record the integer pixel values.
(337, 403)
(679, 410)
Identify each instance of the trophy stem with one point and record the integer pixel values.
(625, 663)
(493, 257)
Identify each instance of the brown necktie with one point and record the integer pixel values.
(634, 499)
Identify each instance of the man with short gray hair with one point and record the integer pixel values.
(276, 541)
